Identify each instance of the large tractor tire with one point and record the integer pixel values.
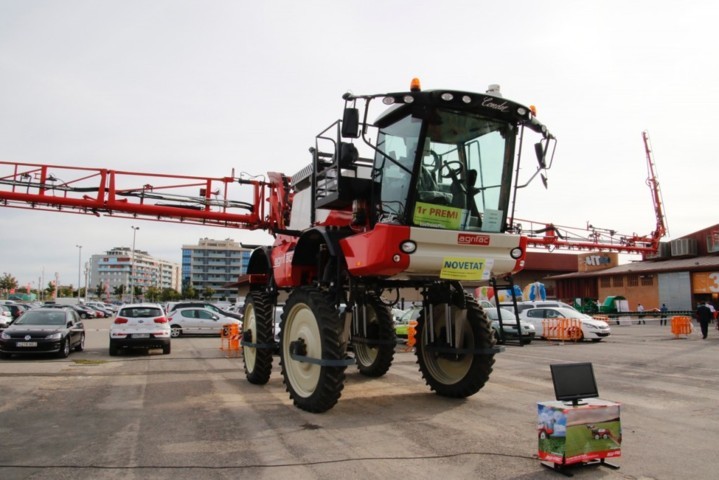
(456, 375)
(311, 328)
(257, 327)
(373, 360)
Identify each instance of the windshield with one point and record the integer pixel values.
(42, 318)
(462, 171)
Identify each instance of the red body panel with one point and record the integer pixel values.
(373, 253)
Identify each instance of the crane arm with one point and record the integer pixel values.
(159, 197)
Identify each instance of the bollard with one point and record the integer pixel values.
(411, 334)
(230, 334)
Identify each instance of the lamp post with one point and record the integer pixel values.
(79, 270)
(132, 263)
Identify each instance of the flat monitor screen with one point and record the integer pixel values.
(573, 381)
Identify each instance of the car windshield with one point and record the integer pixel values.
(42, 318)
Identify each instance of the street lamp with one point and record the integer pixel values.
(132, 263)
(79, 270)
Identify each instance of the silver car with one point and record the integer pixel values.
(198, 321)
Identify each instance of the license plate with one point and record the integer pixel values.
(141, 335)
(26, 344)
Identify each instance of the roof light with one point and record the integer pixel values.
(414, 85)
(533, 109)
(447, 97)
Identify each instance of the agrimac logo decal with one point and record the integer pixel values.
(472, 239)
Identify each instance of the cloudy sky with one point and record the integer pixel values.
(194, 87)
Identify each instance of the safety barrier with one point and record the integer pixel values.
(230, 335)
(603, 318)
(681, 325)
(562, 329)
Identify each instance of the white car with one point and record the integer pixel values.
(199, 321)
(140, 325)
(592, 329)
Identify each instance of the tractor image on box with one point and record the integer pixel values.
(428, 203)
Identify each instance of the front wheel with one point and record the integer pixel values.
(175, 331)
(460, 365)
(64, 348)
(311, 328)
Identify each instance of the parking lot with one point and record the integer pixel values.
(192, 414)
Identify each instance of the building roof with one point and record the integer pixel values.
(675, 265)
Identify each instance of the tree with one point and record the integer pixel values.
(152, 294)
(189, 292)
(170, 295)
(208, 293)
(119, 291)
(7, 283)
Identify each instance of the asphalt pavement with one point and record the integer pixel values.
(192, 415)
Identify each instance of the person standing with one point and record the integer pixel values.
(640, 309)
(663, 310)
(704, 316)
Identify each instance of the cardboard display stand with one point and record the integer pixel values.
(587, 433)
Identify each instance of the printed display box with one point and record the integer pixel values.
(584, 433)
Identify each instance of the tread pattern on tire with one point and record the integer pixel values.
(258, 372)
(375, 362)
(481, 365)
(330, 384)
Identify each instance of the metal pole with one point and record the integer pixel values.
(132, 263)
(79, 271)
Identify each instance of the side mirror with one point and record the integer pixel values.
(350, 123)
(541, 153)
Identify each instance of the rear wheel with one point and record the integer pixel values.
(448, 373)
(374, 360)
(311, 328)
(175, 331)
(257, 328)
(81, 344)
(114, 350)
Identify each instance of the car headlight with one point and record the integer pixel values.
(54, 336)
(590, 326)
(4, 336)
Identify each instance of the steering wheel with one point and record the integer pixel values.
(431, 161)
(453, 169)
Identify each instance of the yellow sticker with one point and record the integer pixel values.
(464, 268)
(438, 216)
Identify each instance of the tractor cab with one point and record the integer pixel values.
(434, 159)
(445, 160)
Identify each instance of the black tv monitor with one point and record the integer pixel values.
(573, 382)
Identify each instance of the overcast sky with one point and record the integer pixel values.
(203, 87)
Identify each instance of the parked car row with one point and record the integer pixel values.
(532, 317)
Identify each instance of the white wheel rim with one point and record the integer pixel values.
(301, 324)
